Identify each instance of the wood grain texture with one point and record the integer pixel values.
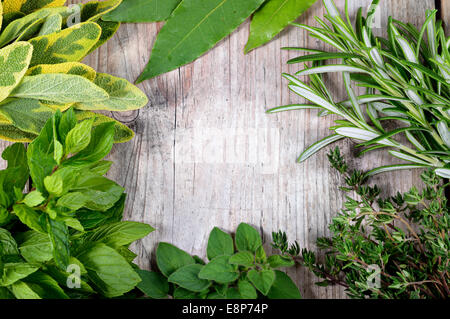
(206, 154)
(445, 14)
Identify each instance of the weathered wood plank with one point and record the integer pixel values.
(206, 154)
(445, 14)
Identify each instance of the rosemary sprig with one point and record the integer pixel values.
(406, 77)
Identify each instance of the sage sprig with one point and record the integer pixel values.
(40, 72)
(406, 77)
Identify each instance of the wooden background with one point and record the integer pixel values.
(206, 154)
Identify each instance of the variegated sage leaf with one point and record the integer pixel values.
(31, 30)
(93, 11)
(28, 6)
(68, 45)
(123, 96)
(18, 26)
(1, 14)
(14, 61)
(108, 30)
(74, 68)
(26, 114)
(122, 133)
(59, 88)
(9, 132)
(53, 23)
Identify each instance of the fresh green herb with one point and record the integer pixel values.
(407, 81)
(272, 18)
(379, 247)
(204, 24)
(40, 71)
(64, 238)
(236, 270)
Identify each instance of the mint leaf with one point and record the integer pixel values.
(153, 284)
(247, 238)
(187, 277)
(219, 243)
(243, 258)
(262, 279)
(170, 258)
(33, 198)
(219, 270)
(79, 137)
(283, 287)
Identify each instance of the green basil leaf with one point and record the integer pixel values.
(33, 198)
(40, 157)
(36, 247)
(247, 238)
(219, 270)
(45, 286)
(219, 243)
(8, 245)
(22, 290)
(13, 272)
(273, 17)
(121, 132)
(170, 258)
(72, 201)
(283, 287)
(119, 234)
(100, 193)
(67, 122)
(187, 277)
(103, 265)
(79, 137)
(61, 181)
(59, 237)
(142, 11)
(262, 279)
(29, 217)
(101, 143)
(188, 33)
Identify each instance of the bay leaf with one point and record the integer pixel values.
(142, 11)
(272, 18)
(193, 28)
